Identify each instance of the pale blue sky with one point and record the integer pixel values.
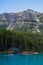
(20, 5)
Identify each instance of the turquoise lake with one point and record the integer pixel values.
(19, 59)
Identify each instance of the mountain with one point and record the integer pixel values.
(27, 20)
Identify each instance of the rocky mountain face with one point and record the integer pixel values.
(27, 20)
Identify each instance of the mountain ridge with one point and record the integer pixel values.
(24, 21)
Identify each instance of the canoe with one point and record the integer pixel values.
(29, 52)
(25, 52)
(34, 52)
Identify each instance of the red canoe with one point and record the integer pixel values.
(29, 52)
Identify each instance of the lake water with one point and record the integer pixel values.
(32, 59)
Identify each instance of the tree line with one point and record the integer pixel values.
(25, 41)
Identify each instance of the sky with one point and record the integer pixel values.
(8, 6)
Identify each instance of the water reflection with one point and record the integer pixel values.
(18, 59)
